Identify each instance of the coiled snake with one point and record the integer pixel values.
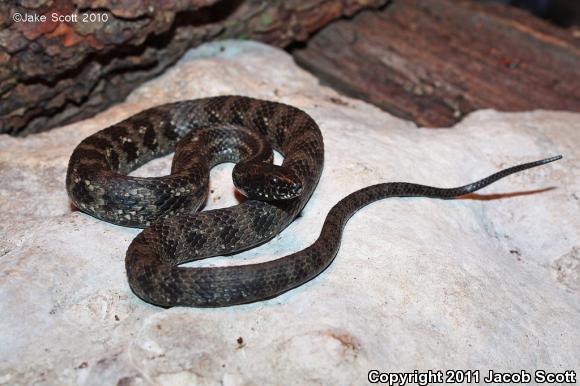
(205, 132)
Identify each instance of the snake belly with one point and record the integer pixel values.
(175, 233)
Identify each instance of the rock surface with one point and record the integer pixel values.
(486, 283)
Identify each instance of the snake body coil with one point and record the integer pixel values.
(206, 132)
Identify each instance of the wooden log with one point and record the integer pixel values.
(435, 61)
(65, 68)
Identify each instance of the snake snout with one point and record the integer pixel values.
(266, 182)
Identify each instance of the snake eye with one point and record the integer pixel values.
(287, 188)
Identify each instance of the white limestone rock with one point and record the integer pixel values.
(491, 283)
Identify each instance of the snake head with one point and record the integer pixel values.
(266, 182)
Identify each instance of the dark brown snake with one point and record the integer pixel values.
(206, 132)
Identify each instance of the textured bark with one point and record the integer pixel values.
(52, 73)
(435, 61)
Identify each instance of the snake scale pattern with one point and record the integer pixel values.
(203, 133)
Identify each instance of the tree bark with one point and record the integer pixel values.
(435, 61)
(58, 71)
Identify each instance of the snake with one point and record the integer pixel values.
(203, 133)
